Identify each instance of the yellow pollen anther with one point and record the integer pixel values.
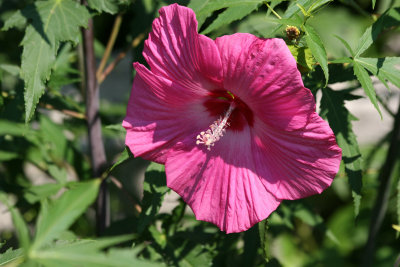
(216, 130)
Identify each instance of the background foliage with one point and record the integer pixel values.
(50, 179)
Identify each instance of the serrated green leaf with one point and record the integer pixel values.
(20, 226)
(10, 256)
(366, 83)
(386, 68)
(388, 19)
(318, 50)
(303, 56)
(317, 5)
(59, 216)
(17, 20)
(332, 108)
(109, 6)
(229, 15)
(205, 10)
(50, 22)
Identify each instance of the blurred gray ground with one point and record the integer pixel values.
(369, 129)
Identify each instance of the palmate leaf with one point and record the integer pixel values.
(332, 108)
(386, 69)
(50, 22)
(59, 215)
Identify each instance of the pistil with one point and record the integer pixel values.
(216, 130)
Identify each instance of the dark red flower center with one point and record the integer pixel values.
(218, 102)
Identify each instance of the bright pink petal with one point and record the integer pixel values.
(159, 114)
(175, 50)
(299, 163)
(221, 185)
(263, 74)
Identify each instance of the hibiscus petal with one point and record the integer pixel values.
(219, 188)
(299, 163)
(158, 113)
(175, 50)
(263, 74)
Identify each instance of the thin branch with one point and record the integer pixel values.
(119, 57)
(110, 44)
(67, 112)
(96, 145)
(381, 203)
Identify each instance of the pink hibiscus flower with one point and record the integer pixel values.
(230, 119)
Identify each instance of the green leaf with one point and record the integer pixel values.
(40, 192)
(318, 50)
(206, 9)
(116, 127)
(373, 4)
(303, 56)
(50, 22)
(14, 129)
(19, 223)
(317, 5)
(366, 83)
(332, 108)
(64, 211)
(124, 156)
(109, 6)
(346, 44)
(231, 14)
(263, 231)
(154, 188)
(11, 255)
(386, 68)
(389, 19)
(7, 155)
(88, 253)
(11, 69)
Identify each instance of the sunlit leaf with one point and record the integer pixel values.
(303, 57)
(59, 216)
(318, 50)
(49, 23)
(19, 223)
(10, 256)
(366, 83)
(386, 69)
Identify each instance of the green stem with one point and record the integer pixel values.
(110, 45)
(272, 10)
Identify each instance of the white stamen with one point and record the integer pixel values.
(216, 131)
